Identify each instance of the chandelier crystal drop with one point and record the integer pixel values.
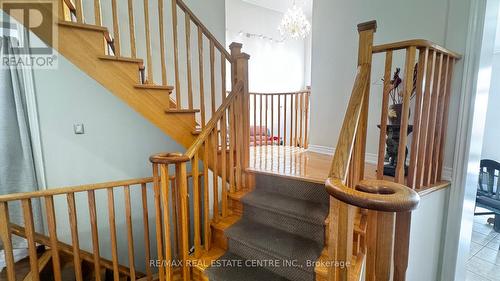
(294, 24)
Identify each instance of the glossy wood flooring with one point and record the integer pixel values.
(295, 162)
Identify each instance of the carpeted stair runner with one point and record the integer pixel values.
(280, 234)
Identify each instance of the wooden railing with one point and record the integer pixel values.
(387, 201)
(221, 147)
(60, 202)
(197, 55)
(280, 118)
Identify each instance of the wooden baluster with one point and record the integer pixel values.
(164, 186)
(162, 45)
(284, 120)
(237, 140)
(279, 119)
(206, 203)
(260, 120)
(95, 233)
(291, 119)
(6, 236)
(150, 78)
(371, 238)
(231, 148)
(74, 236)
(223, 75)
(215, 171)
(181, 176)
(254, 120)
(296, 119)
(445, 118)
(424, 129)
(306, 129)
(223, 128)
(29, 226)
(112, 231)
(159, 227)
(380, 234)
(340, 236)
(97, 12)
(432, 120)
(212, 75)
(175, 215)
(176, 54)
(133, 50)
(403, 137)
(196, 205)
(200, 72)
(187, 26)
(51, 225)
(419, 87)
(384, 114)
(79, 11)
(116, 28)
(145, 221)
(266, 134)
(272, 119)
(301, 108)
(130, 235)
(439, 120)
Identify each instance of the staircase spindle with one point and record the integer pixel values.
(284, 119)
(116, 29)
(149, 61)
(97, 12)
(200, 73)
(130, 235)
(296, 115)
(212, 75)
(51, 224)
(419, 87)
(196, 205)
(181, 176)
(162, 44)
(306, 141)
(176, 54)
(95, 233)
(158, 210)
(260, 120)
(79, 11)
(445, 118)
(131, 25)
(206, 203)
(166, 218)
(215, 169)
(187, 24)
(112, 231)
(231, 148)
(223, 134)
(145, 221)
(279, 119)
(383, 116)
(422, 148)
(272, 119)
(266, 133)
(6, 236)
(74, 236)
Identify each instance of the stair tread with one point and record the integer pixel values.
(273, 242)
(233, 267)
(83, 26)
(287, 206)
(121, 59)
(172, 110)
(153, 87)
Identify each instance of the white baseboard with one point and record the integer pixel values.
(369, 158)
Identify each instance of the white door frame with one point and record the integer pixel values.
(474, 98)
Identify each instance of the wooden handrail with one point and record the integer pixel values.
(281, 93)
(418, 43)
(205, 30)
(347, 135)
(72, 189)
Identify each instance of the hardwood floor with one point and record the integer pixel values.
(295, 162)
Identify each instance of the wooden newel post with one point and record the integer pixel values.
(239, 72)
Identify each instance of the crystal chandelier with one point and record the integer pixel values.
(294, 24)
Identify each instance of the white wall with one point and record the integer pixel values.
(491, 138)
(334, 59)
(427, 237)
(273, 66)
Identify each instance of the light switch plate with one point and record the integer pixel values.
(79, 129)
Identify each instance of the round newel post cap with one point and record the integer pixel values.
(377, 195)
(168, 158)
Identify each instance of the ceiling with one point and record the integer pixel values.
(282, 5)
